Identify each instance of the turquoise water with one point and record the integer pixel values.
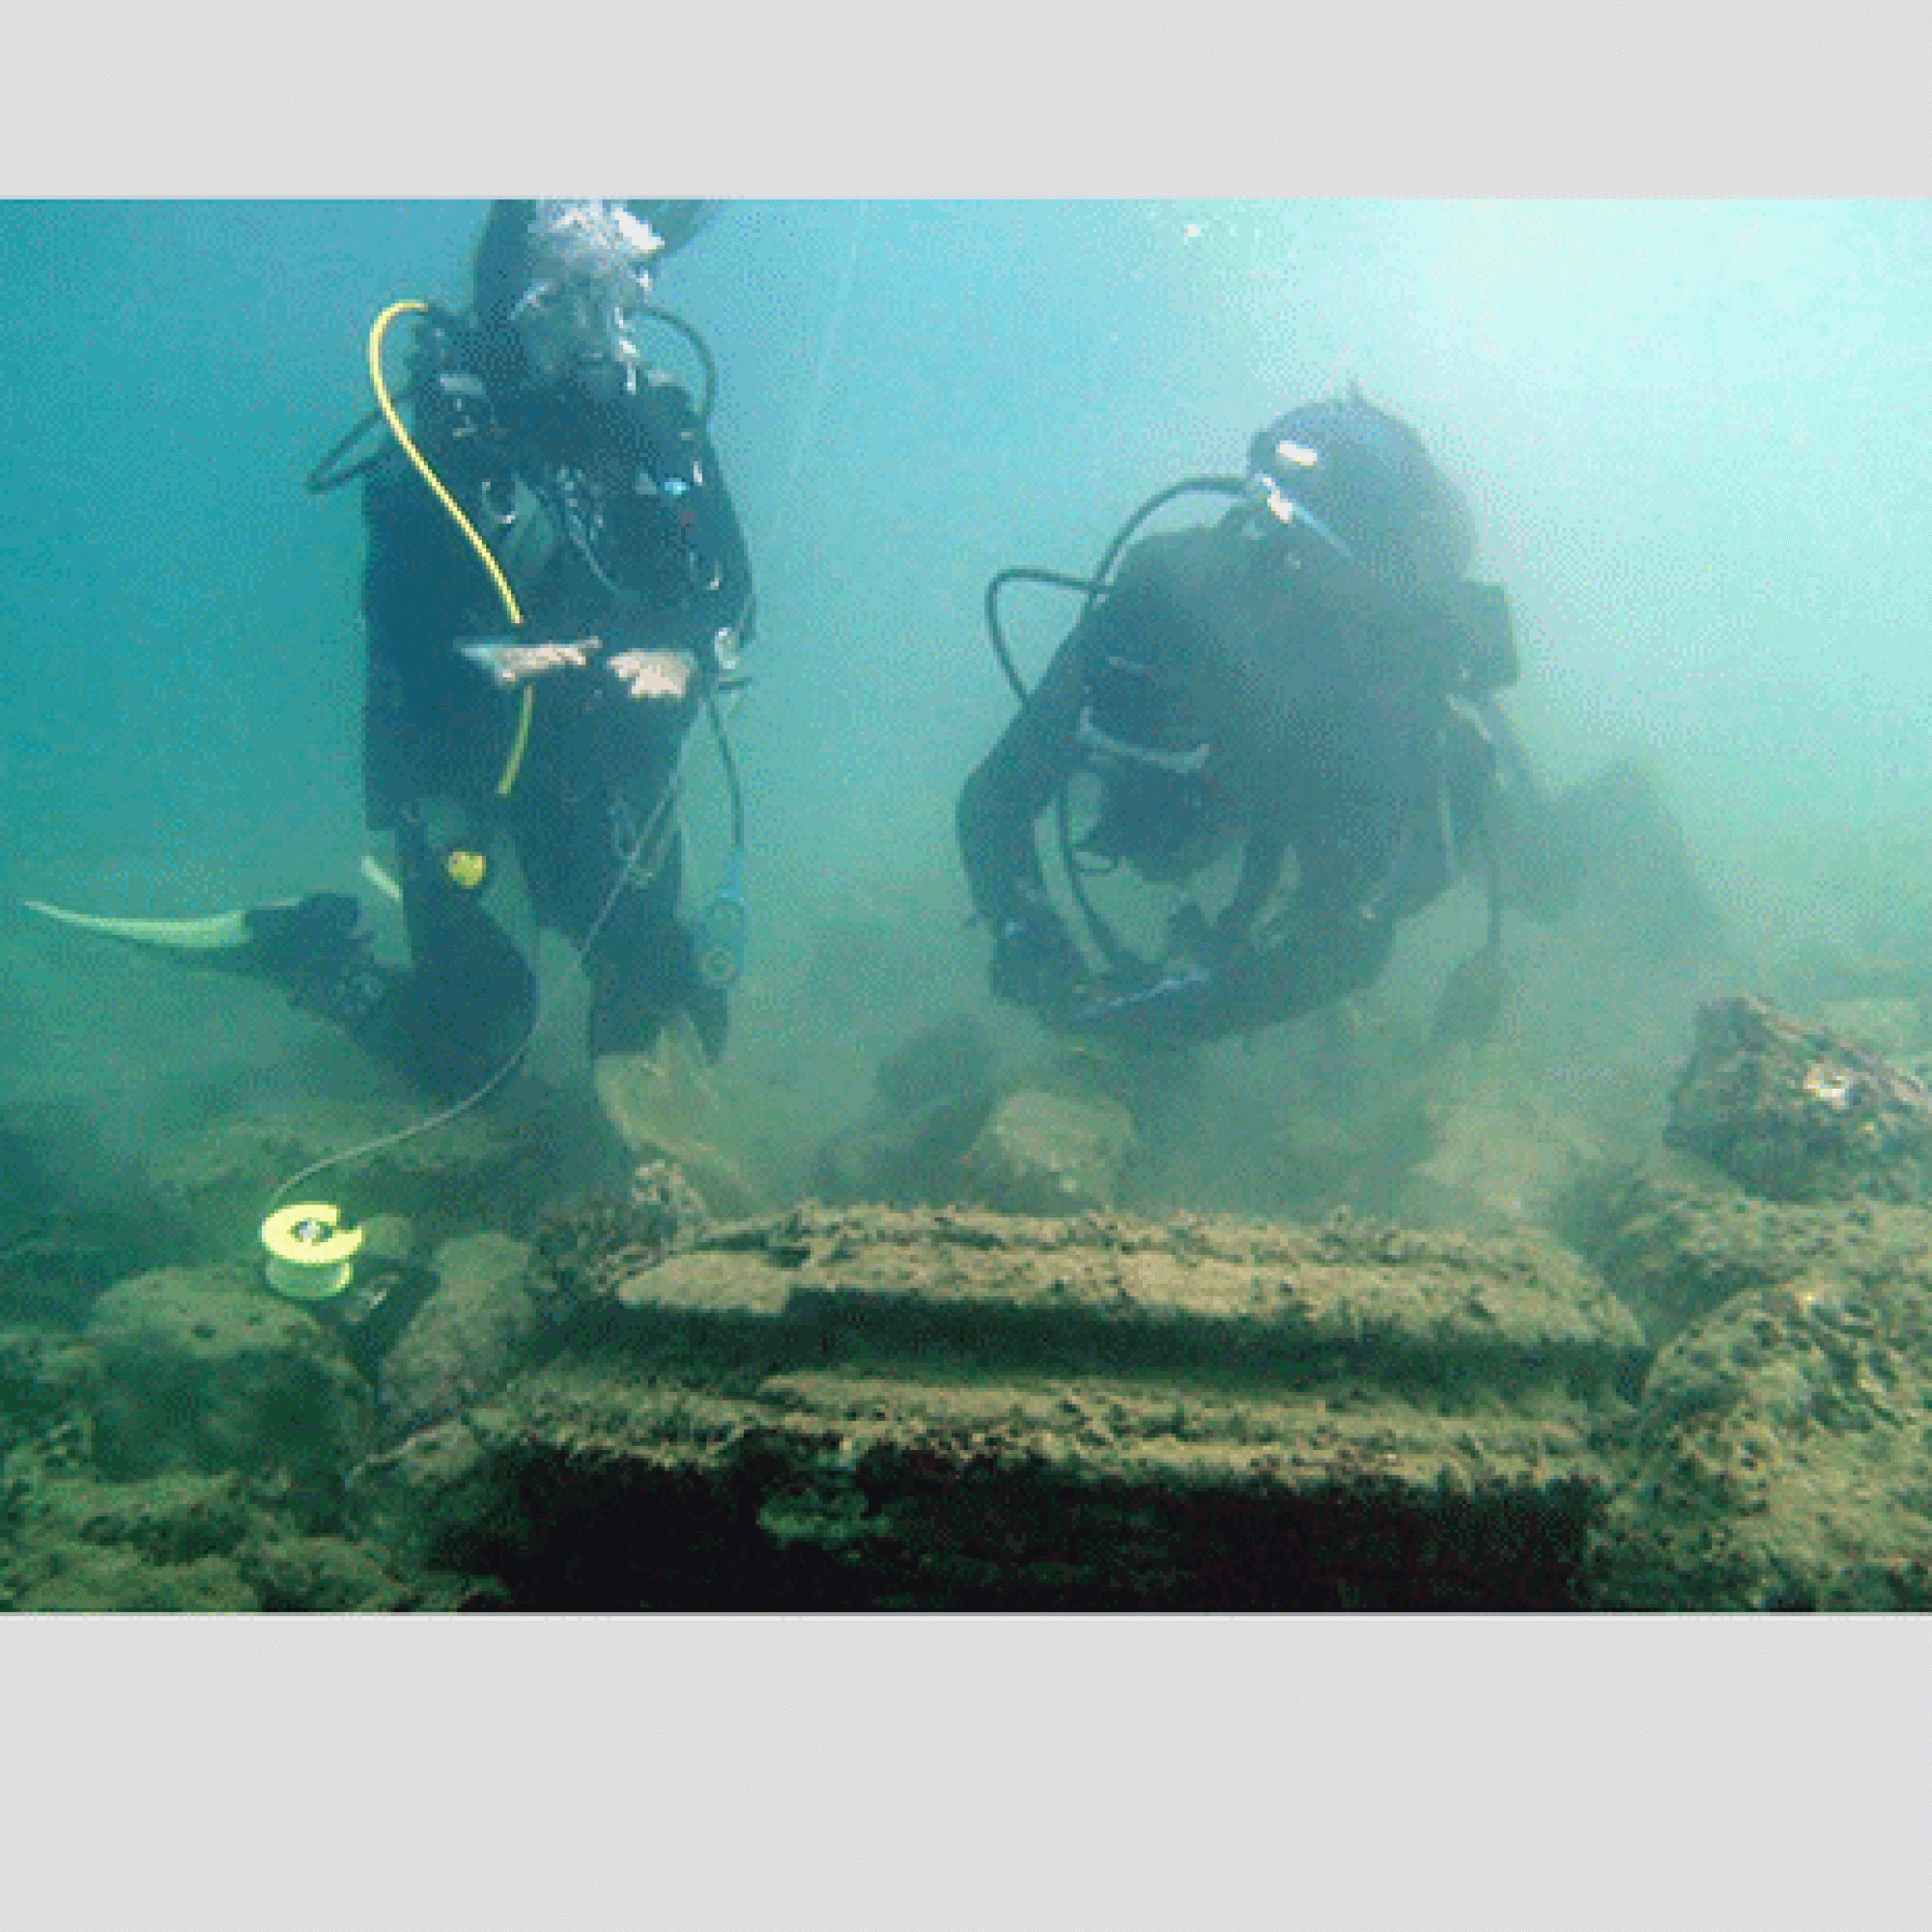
(1692, 434)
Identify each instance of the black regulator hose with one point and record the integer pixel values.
(1091, 590)
(1189, 485)
(1026, 573)
(707, 396)
(330, 473)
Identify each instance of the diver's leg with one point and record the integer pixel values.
(1633, 856)
(608, 879)
(464, 1010)
(643, 974)
(1613, 839)
(653, 1019)
(447, 1023)
(457, 1016)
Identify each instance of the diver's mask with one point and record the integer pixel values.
(1272, 491)
(1336, 576)
(580, 314)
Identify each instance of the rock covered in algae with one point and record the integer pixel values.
(1796, 1112)
(1778, 1457)
(216, 1182)
(205, 1369)
(932, 1095)
(180, 1542)
(1498, 1152)
(467, 1334)
(1050, 1154)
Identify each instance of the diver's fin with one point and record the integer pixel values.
(1638, 862)
(380, 877)
(216, 932)
(315, 948)
(662, 1105)
(1471, 1001)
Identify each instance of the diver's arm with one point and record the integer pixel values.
(1613, 839)
(1036, 963)
(1261, 861)
(1321, 959)
(417, 587)
(729, 603)
(1004, 797)
(420, 573)
(1040, 751)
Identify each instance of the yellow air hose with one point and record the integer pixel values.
(519, 741)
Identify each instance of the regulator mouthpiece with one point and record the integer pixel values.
(311, 1252)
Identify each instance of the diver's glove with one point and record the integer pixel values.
(1036, 965)
(1325, 958)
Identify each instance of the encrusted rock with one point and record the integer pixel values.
(484, 1164)
(1893, 1028)
(1779, 1460)
(586, 1249)
(1290, 1302)
(1799, 1113)
(930, 1098)
(180, 1542)
(942, 1407)
(205, 1369)
(1498, 1157)
(467, 1335)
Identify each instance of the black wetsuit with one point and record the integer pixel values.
(1287, 721)
(610, 516)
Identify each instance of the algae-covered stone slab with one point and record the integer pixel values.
(1406, 1304)
(933, 1409)
(603, 1484)
(1156, 1428)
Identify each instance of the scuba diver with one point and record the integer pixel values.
(1311, 677)
(555, 586)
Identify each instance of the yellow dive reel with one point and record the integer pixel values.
(311, 1251)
